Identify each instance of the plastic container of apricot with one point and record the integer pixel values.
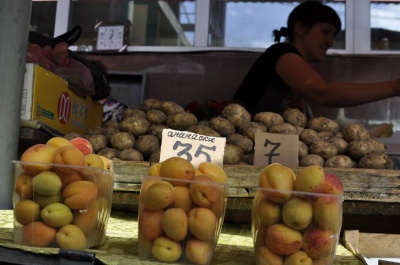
(180, 220)
(61, 206)
(304, 228)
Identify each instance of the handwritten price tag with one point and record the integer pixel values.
(276, 148)
(193, 147)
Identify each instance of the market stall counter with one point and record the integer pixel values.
(235, 245)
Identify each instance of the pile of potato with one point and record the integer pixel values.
(137, 137)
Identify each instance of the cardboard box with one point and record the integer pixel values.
(47, 99)
(371, 248)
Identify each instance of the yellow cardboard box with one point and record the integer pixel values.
(47, 99)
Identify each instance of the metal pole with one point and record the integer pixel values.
(14, 28)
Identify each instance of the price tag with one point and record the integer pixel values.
(276, 148)
(195, 148)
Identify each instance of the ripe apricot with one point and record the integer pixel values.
(80, 194)
(38, 234)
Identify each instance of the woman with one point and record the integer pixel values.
(283, 78)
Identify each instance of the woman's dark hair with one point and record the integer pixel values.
(308, 13)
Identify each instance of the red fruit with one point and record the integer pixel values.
(82, 144)
(333, 184)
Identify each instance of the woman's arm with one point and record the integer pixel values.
(303, 79)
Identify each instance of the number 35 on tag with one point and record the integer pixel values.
(193, 147)
(276, 148)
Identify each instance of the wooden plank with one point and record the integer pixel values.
(359, 184)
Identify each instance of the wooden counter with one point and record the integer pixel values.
(235, 245)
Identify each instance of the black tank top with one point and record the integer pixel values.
(263, 90)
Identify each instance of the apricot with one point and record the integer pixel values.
(283, 240)
(279, 177)
(94, 160)
(158, 195)
(182, 198)
(214, 170)
(265, 256)
(203, 192)
(166, 250)
(106, 162)
(202, 223)
(71, 237)
(68, 178)
(175, 223)
(46, 183)
(86, 220)
(23, 186)
(69, 156)
(310, 179)
(26, 211)
(177, 168)
(319, 243)
(80, 194)
(199, 252)
(56, 214)
(58, 142)
(154, 170)
(41, 155)
(83, 145)
(149, 224)
(44, 200)
(38, 234)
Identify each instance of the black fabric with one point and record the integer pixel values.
(262, 89)
(100, 77)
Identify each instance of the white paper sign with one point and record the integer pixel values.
(276, 148)
(193, 147)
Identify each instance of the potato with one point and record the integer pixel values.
(147, 144)
(72, 135)
(236, 114)
(298, 129)
(268, 118)
(98, 141)
(155, 157)
(376, 161)
(250, 129)
(134, 125)
(130, 155)
(311, 159)
(325, 135)
(339, 161)
(108, 152)
(108, 132)
(221, 125)
(295, 117)
(94, 130)
(122, 140)
(355, 132)
(131, 112)
(170, 107)
(181, 120)
(241, 141)
(248, 159)
(320, 124)
(149, 104)
(322, 148)
(203, 129)
(111, 124)
(340, 143)
(156, 130)
(308, 136)
(358, 149)
(283, 128)
(233, 154)
(303, 149)
(155, 116)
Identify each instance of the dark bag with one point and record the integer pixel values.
(85, 77)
